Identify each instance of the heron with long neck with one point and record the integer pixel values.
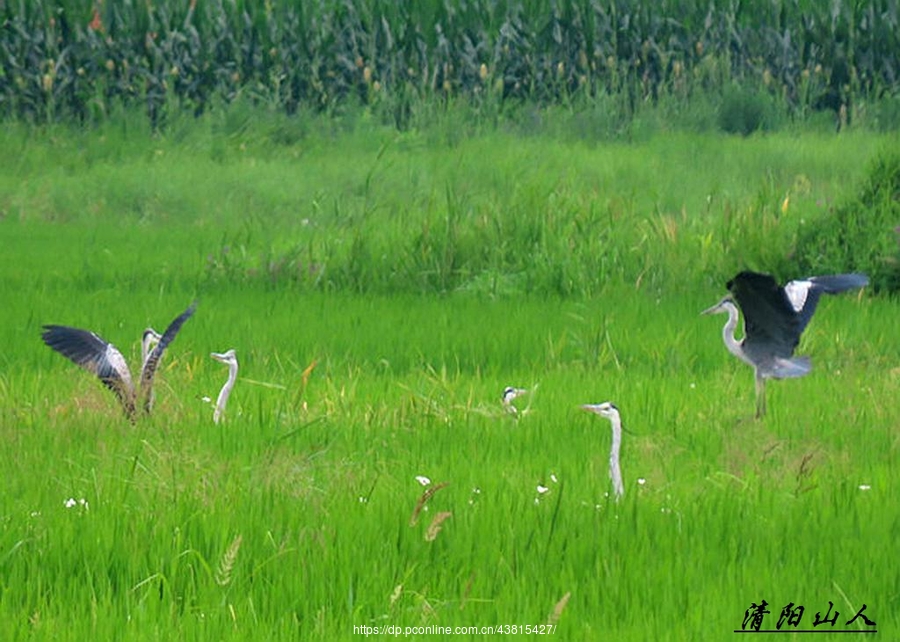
(103, 359)
(230, 359)
(609, 410)
(149, 340)
(774, 319)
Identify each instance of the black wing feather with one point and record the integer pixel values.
(150, 367)
(831, 284)
(771, 326)
(95, 355)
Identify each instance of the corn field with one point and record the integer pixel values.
(78, 60)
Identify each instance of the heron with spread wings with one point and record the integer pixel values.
(102, 358)
(774, 319)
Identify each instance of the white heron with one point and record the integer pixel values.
(609, 410)
(100, 357)
(230, 359)
(774, 319)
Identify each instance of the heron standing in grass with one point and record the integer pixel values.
(148, 341)
(230, 359)
(774, 319)
(509, 394)
(96, 355)
(609, 410)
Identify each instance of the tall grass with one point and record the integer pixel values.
(494, 215)
(317, 481)
(575, 271)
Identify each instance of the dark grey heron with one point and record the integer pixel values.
(100, 357)
(230, 359)
(609, 410)
(774, 319)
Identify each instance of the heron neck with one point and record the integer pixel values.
(728, 330)
(226, 389)
(615, 472)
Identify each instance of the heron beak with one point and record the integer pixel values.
(720, 307)
(218, 356)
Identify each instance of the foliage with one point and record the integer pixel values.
(861, 233)
(381, 289)
(492, 214)
(745, 111)
(82, 59)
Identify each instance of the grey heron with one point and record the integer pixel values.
(100, 357)
(148, 341)
(230, 359)
(510, 393)
(609, 410)
(774, 319)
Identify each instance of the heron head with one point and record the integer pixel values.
(151, 335)
(510, 393)
(605, 409)
(225, 357)
(722, 306)
(149, 340)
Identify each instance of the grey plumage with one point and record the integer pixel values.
(774, 319)
(150, 339)
(96, 355)
(149, 368)
(229, 358)
(611, 412)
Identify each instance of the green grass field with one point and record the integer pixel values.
(381, 289)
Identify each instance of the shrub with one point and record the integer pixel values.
(744, 111)
(860, 234)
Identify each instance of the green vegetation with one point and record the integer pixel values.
(863, 230)
(392, 211)
(83, 59)
(381, 289)
(414, 212)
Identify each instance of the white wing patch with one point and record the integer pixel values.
(797, 291)
(115, 359)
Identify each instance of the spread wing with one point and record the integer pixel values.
(772, 326)
(97, 356)
(152, 364)
(804, 294)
